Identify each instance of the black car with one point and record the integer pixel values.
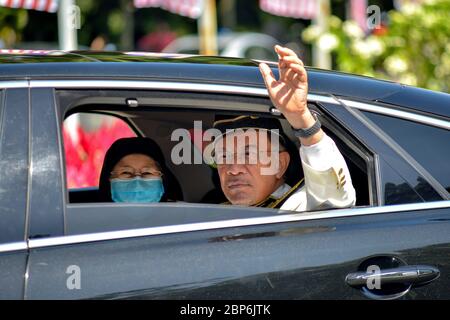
(57, 242)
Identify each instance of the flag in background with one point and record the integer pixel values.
(189, 8)
(358, 12)
(300, 9)
(40, 5)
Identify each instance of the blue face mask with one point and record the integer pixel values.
(137, 190)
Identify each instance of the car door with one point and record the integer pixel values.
(200, 251)
(13, 188)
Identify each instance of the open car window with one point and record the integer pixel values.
(160, 115)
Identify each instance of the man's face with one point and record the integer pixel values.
(243, 165)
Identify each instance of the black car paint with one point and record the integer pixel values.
(13, 186)
(306, 260)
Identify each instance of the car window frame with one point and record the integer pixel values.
(347, 113)
(358, 107)
(421, 168)
(83, 106)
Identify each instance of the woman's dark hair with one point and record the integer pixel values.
(138, 145)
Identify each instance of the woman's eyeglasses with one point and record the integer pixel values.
(129, 173)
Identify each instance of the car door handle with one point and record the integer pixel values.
(414, 275)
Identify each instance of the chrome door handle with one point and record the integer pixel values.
(414, 275)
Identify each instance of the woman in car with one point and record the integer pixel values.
(134, 170)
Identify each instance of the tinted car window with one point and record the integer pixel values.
(395, 189)
(430, 146)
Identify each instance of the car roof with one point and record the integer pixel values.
(41, 64)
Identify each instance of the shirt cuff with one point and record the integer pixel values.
(320, 156)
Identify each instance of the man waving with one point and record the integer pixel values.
(243, 178)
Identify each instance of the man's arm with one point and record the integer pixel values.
(327, 178)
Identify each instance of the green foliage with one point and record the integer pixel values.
(12, 22)
(414, 50)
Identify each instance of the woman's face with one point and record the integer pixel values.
(136, 164)
(136, 178)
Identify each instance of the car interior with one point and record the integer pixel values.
(158, 114)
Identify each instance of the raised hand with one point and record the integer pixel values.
(289, 94)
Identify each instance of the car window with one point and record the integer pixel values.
(395, 189)
(428, 145)
(87, 137)
(160, 116)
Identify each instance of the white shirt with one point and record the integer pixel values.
(327, 180)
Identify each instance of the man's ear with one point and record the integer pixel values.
(284, 159)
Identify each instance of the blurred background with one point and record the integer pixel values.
(400, 40)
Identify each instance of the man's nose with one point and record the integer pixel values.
(235, 169)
